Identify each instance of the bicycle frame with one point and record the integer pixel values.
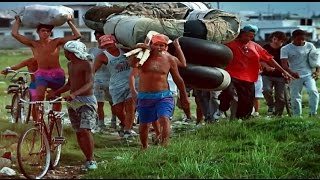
(48, 145)
(52, 117)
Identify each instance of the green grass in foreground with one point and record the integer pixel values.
(258, 148)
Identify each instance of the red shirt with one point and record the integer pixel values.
(245, 64)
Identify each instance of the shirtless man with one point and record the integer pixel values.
(155, 101)
(46, 52)
(83, 104)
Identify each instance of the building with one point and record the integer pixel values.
(270, 22)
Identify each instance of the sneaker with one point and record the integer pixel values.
(134, 133)
(217, 115)
(91, 165)
(255, 114)
(127, 134)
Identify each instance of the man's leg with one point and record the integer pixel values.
(85, 141)
(143, 132)
(113, 116)
(88, 118)
(165, 130)
(100, 111)
(120, 113)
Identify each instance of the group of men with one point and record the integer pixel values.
(105, 74)
(154, 100)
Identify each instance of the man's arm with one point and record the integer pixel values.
(133, 61)
(180, 84)
(75, 34)
(20, 65)
(100, 59)
(134, 73)
(285, 65)
(15, 33)
(179, 54)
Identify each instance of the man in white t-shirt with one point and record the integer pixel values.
(294, 57)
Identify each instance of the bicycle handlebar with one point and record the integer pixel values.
(18, 72)
(39, 102)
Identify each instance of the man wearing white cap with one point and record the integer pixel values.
(83, 104)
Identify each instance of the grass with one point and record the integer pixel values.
(257, 148)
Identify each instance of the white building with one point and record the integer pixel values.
(287, 23)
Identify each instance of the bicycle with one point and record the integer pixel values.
(39, 147)
(19, 89)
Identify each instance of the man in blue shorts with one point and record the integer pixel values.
(155, 101)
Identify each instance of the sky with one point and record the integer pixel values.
(302, 8)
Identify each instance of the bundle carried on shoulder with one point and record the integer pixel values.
(34, 15)
(96, 16)
(213, 25)
(130, 30)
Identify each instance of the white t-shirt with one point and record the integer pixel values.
(298, 57)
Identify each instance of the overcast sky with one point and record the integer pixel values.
(303, 8)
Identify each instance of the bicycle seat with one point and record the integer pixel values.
(12, 88)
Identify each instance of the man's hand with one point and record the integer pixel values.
(176, 43)
(290, 76)
(142, 45)
(18, 19)
(69, 97)
(269, 68)
(5, 71)
(316, 74)
(184, 103)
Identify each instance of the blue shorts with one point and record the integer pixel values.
(152, 106)
(52, 78)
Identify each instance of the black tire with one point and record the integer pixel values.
(15, 108)
(204, 77)
(33, 154)
(204, 52)
(27, 107)
(56, 139)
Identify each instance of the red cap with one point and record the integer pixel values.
(160, 38)
(107, 39)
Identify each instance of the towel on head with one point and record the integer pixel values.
(79, 49)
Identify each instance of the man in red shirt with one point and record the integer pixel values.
(244, 70)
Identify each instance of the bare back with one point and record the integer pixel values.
(47, 54)
(81, 75)
(154, 73)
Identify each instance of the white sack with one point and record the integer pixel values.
(34, 15)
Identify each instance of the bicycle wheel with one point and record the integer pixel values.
(15, 108)
(33, 154)
(26, 113)
(56, 139)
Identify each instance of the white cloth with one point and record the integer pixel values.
(79, 49)
(258, 87)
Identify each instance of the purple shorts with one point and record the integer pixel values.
(51, 78)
